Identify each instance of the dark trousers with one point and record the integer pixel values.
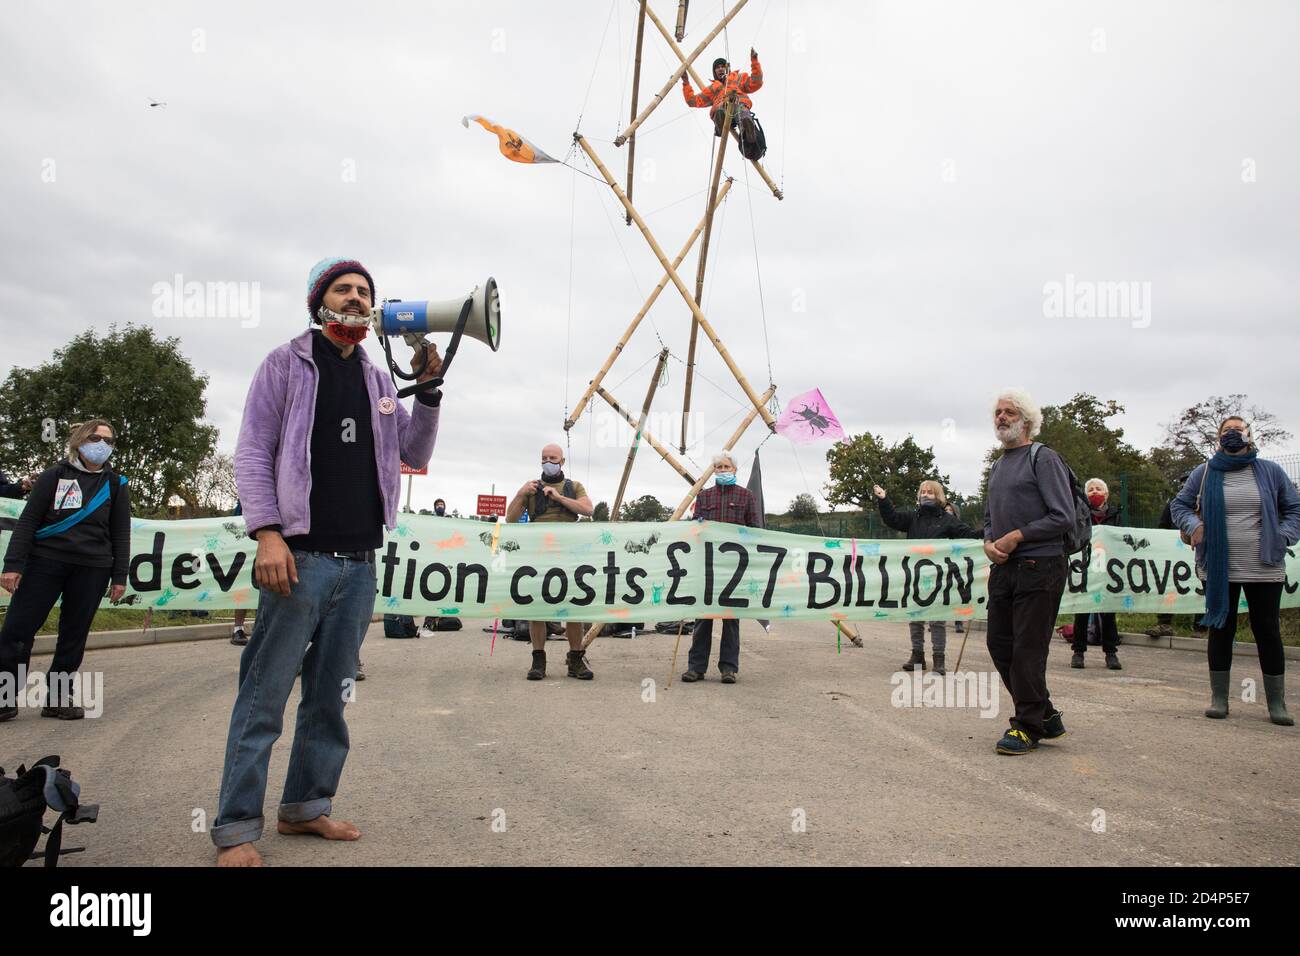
(737, 116)
(43, 582)
(702, 644)
(1105, 625)
(1024, 596)
(1263, 600)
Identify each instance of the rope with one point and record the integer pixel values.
(595, 66)
(618, 240)
(785, 96)
(758, 278)
(647, 215)
(568, 331)
(806, 487)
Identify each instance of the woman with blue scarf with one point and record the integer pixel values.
(1241, 513)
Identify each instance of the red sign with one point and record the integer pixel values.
(408, 470)
(489, 505)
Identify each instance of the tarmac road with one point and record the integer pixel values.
(457, 759)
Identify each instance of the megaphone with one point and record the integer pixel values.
(477, 315)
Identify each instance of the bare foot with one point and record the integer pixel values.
(245, 854)
(322, 826)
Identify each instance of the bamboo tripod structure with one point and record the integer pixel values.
(718, 190)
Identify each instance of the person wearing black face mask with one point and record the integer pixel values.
(929, 520)
(1241, 513)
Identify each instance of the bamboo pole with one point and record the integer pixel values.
(640, 427)
(731, 443)
(677, 74)
(680, 32)
(699, 272)
(636, 89)
(645, 309)
(748, 389)
(695, 78)
(664, 453)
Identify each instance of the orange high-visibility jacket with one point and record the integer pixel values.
(715, 94)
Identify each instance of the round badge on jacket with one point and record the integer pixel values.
(387, 406)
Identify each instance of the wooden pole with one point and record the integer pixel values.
(680, 32)
(695, 78)
(664, 453)
(627, 335)
(636, 89)
(677, 74)
(699, 272)
(636, 439)
(731, 443)
(748, 389)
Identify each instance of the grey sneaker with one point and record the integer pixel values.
(728, 677)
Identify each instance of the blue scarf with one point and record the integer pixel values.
(1213, 514)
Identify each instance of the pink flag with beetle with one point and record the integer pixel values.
(807, 418)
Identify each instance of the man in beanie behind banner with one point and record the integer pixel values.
(318, 468)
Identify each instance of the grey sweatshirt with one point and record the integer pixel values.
(1035, 500)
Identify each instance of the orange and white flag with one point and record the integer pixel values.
(513, 146)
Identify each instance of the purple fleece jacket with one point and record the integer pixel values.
(273, 456)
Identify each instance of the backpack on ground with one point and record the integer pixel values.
(400, 626)
(1079, 536)
(23, 801)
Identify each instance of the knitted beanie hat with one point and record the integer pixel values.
(325, 272)
(720, 61)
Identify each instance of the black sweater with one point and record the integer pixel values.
(925, 522)
(347, 513)
(101, 540)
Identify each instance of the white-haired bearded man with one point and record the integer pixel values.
(1028, 509)
(725, 501)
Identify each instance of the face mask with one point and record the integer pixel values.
(925, 502)
(1097, 499)
(726, 479)
(551, 469)
(440, 511)
(1232, 441)
(96, 452)
(350, 328)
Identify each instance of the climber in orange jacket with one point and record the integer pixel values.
(725, 82)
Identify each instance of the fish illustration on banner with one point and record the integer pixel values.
(513, 146)
(808, 418)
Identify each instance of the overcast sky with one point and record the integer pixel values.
(943, 163)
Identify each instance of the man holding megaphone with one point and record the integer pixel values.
(318, 468)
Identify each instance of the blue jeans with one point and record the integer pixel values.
(702, 643)
(329, 609)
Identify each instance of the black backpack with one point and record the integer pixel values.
(1080, 535)
(400, 626)
(754, 147)
(23, 801)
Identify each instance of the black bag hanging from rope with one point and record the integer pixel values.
(23, 801)
(753, 141)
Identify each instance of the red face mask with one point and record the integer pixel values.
(352, 334)
(1097, 500)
